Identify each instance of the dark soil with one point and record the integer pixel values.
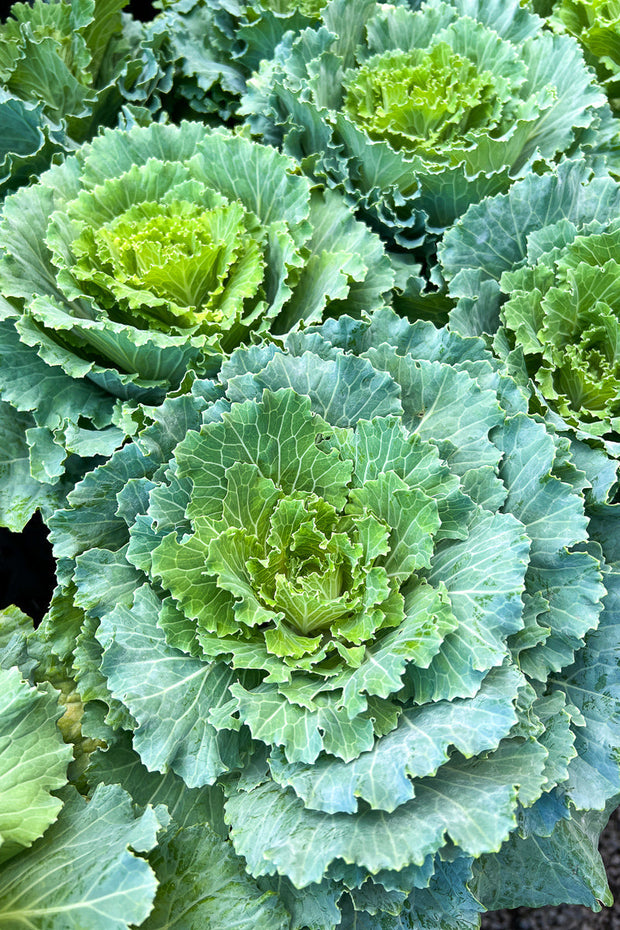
(570, 916)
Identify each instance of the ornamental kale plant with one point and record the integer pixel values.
(215, 45)
(335, 641)
(550, 289)
(150, 252)
(419, 113)
(68, 68)
(345, 602)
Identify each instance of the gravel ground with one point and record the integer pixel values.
(569, 916)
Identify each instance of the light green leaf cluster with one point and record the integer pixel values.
(420, 112)
(65, 863)
(68, 67)
(84, 868)
(596, 26)
(556, 310)
(149, 253)
(33, 762)
(344, 603)
(214, 46)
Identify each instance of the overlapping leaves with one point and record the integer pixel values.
(151, 252)
(66, 69)
(350, 609)
(556, 306)
(419, 113)
(303, 562)
(62, 860)
(596, 26)
(346, 621)
(214, 46)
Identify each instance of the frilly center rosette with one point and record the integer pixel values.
(186, 262)
(305, 550)
(423, 99)
(178, 243)
(418, 113)
(564, 311)
(160, 248)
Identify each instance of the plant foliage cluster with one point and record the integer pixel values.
(310, 361)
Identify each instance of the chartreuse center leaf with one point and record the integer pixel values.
(382, 447)
(173, 261)
(420, 99)
(412, 516)
(308, 568)
(279, 435)
(250, 499)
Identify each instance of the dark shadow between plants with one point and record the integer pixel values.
(27, 569)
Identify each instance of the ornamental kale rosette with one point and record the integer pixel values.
(550, 290)
(214, 46)
(346, 596)
(68, 67)
(418, 114)
(150, 252)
